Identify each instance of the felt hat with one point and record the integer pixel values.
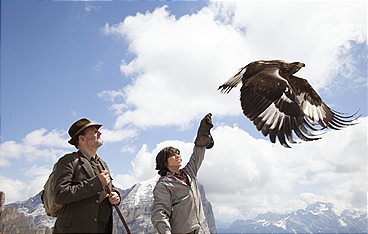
(78, 127)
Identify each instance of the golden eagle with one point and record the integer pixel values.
(280, 104)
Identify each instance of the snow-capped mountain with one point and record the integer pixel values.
(316, 218)
(135, 205)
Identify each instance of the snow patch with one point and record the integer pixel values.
(144, 191)
(281, 223)
(263, 222)
(342, 222)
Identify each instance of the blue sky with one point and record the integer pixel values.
(148, 71)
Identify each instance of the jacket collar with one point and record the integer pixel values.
(173, 177)
(85, 161)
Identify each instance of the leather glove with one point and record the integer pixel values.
(204, 138)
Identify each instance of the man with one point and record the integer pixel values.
(177, 206)
(80, 184)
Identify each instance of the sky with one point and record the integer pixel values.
(149, 71)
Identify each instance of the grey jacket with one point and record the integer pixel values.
(177, 207)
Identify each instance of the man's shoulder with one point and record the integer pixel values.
(68, 157)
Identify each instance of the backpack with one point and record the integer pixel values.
(48, 194)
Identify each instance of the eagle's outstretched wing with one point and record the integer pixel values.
(269, 102)
(315, 109)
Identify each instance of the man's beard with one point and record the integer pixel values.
(96, 143)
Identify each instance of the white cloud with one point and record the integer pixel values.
(90, 8)
(14, 189)
(19, 190)
(143, 165)
(109, 135)
(8, 150)
(244, 176)
(39, 175)
(111, 95)
(175, 78)
(38, 171)
(129, 149)
(36, 145)
(41, 137)
(180, 62)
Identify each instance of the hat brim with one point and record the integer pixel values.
(73, 139)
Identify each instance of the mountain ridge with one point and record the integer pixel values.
(318, 217)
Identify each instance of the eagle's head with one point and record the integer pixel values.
(296, 66)
(290, 68)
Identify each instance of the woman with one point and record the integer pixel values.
(177, 206)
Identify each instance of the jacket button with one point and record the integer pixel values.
(97, 201)
(95, 219)
(91, 185)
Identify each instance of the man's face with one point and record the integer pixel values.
(92, 136)
(174, 160)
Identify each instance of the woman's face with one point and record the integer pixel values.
(174, 160)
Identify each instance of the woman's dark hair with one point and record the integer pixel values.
(161, 159)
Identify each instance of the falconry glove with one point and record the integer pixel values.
(204, 138)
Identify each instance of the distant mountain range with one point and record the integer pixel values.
(316, 218)
(29, 217)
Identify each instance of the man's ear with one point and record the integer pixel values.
(81, 137)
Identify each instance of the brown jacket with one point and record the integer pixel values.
(86, 210)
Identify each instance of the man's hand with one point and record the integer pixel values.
(114, 198)
(204, 138)
(104, 178)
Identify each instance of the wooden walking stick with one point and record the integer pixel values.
(108, 190)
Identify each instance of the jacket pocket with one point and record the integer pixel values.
(64, 219)
(63, 224)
